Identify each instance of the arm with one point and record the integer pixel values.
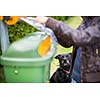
(67, 36)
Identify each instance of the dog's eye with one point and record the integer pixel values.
(62, 56)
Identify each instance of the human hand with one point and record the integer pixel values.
(41, 19)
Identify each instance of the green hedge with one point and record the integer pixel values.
(21, 29)
(62, 18)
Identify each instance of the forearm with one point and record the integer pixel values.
(56, 27)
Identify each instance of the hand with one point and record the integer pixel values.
(41, 19)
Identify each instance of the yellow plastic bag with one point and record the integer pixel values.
(44, 46)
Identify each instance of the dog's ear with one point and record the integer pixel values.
(57, 57)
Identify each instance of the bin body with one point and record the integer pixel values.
(23, 64)
(27, 74)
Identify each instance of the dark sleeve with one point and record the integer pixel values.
(67, 36)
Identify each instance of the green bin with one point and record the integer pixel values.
(22, 63)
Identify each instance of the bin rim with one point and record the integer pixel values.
(27, 61)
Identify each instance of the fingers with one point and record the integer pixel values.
(41, 19)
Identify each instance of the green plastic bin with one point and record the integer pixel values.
(22, 63)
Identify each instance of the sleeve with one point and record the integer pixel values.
(67, 36)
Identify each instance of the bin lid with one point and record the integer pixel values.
(32, 50)
(31, 46)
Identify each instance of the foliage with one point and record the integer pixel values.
(62, 18)
(19, 30)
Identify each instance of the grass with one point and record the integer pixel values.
(73, 22)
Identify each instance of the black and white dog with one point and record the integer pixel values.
(61, 75)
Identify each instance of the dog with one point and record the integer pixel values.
(62, 74)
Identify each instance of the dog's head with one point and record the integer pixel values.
(65, 61)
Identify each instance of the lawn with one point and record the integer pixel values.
(73, 22)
